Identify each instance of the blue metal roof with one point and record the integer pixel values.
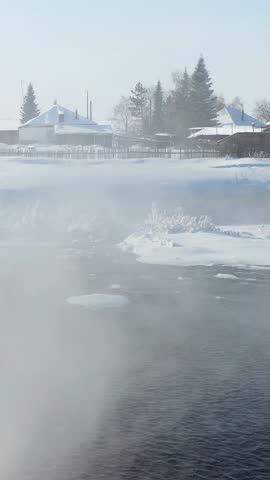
(53, 115)
(239, 118)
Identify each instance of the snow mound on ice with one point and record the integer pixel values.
(98, 301)
(161, 228)
(181, 240)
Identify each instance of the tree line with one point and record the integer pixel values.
(191, 102)
(146, 111)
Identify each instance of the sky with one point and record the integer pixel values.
(66, 47)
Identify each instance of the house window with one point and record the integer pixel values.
(61, 117)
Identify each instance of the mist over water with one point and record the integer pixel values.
(173, 384)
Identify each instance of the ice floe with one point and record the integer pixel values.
(98, 301)
(226, 276)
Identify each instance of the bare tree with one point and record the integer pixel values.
(148, 112)
(262, 110)
(220, 102)
(236, 103)
(122, 117)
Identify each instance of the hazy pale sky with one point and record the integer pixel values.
(66, 47)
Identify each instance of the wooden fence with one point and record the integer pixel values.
(110, 154)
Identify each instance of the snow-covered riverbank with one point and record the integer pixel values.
(21, 172)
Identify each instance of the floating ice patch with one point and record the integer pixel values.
(115, 286)
(227, 276)
(98, 301)
(71, 253)
(201, 249)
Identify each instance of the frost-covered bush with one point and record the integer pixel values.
(38, 219)
(162, 222)
(257, 155)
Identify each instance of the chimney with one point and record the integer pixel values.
(87, 105)
(243, 113)
(76, 114)
(61, 117)
(91, 110)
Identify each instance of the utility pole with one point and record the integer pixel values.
(22, 82)
(87, 105)
(91, 110)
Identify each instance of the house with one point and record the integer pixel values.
(245, 144)
(163, 140)
(60, 125)
(236, 134)
(230, 121)
(9, 131)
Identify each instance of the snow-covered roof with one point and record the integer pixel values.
(230, 115)
(94, 129)
(164, 135)
(52, 117)
(231, 121)
(8, 124)
(224, 130)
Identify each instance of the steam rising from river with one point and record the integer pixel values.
(63, 369)
(58, 364)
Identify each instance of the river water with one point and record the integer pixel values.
(173, 385)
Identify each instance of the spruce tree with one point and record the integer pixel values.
(182, 90)
(170, 114)
(181, 96)
(158, 109)
(203, 102)
(29, 107)
(137, 105)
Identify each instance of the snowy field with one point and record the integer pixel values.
(21, 172)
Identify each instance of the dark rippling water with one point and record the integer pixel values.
(173, 386)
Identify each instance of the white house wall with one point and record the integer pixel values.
(35, 135)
